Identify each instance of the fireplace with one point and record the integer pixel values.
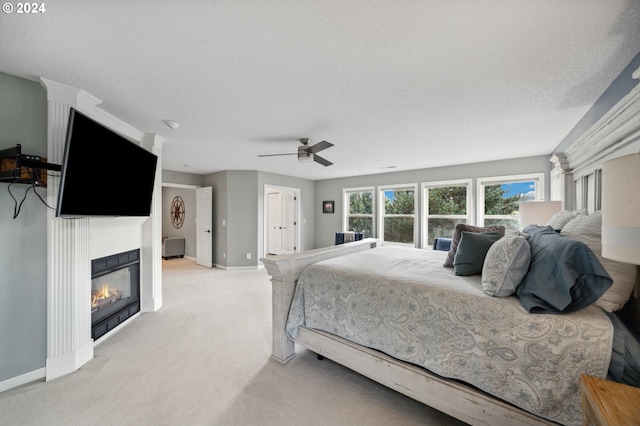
(115, 291)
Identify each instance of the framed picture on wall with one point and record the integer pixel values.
(327, 207)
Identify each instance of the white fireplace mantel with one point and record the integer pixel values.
(115, 235)
(73, 243)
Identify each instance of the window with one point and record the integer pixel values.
(445, 204)
(591, 192)
(359, 211)
(397, 214)
(499, 198)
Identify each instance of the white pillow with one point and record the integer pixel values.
(560, 219)
(570, 227)
(505, 265)
(588, 229)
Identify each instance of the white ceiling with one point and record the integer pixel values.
(410, 84)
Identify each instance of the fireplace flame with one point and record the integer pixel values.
(104, 296)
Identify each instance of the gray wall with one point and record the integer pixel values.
(182, 178)
(188, 228)
(328, 224)
(242, 223)
(23, 240)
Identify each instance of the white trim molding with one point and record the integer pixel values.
(617, 132)
(576, 170)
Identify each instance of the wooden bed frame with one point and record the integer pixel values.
(452, 397)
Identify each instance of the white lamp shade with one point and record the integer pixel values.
(538, 212)
(621, 209)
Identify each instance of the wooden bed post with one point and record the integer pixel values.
(283, 285)
(285, 271)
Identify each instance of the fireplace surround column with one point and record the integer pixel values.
(69, 343)
(151, 266)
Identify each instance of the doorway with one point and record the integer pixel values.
(197, 224)
(282, 230)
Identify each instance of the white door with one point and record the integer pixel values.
(288, 222)
(282, 231)
(204, 236)
(274, 223)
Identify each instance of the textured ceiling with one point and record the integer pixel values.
(410, 84)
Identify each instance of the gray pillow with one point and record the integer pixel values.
(505, 265)
(472, 250)
(457, 233)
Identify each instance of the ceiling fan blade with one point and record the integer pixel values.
(321, 160)
(319, 147)
(282, 138)
(275, 155)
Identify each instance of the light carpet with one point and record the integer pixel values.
(203, 359)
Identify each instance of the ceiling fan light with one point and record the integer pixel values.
(305, 157)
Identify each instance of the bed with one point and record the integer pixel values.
(510, 356)
(398, 316)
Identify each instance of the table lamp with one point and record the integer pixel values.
(538, 212)
(621, 209)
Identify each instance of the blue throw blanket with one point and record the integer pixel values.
(564, 274)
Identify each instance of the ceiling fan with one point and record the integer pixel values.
(307, 153)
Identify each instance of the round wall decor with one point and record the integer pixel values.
(177, 212)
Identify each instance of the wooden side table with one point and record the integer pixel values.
(609, 403)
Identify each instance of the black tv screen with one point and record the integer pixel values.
(103, 173)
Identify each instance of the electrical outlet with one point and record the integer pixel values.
(248, 255)
(224, 255)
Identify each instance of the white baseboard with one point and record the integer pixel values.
(239, 268)
(68, 362)
(23, 379)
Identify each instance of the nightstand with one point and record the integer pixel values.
(609, 403)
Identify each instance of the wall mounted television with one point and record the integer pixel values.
(103, 173)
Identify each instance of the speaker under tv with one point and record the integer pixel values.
(103, 173)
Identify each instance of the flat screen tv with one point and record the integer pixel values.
(103, 173)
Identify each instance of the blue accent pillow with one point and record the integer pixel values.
(472, 249)
(442, 244)
(564, 275)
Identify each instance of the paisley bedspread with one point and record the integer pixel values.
(404, 303)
